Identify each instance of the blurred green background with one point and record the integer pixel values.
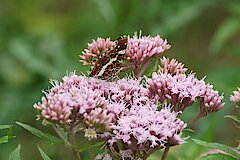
(41, 40)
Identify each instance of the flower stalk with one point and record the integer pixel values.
(166, 150)
(77, 154)
(66, 142)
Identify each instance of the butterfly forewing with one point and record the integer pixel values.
(109, 65)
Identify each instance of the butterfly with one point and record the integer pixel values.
(108, 65)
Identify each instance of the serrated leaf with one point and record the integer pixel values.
(41, 134)
(218, 156)
(219, 146)
(15, 154)
(44, 155)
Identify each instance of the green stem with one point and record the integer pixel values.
(166, 150)
(73, 141)
(194, 119)
(91, 153)
(145, 66)
(151, 152)
(56, 129)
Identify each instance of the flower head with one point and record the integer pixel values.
(99, 118)
(144, 127)
(127, 90)
(90, 133)
(52, 108)
(210, 100)
(171, 66)
(236, 97)
(69, 100)
(180, 90)
(95, 49)
(139, 49)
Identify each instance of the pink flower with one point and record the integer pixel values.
(144, 127)
(180, 90)
(140, 49)
(95, 49)
(54, 109)
(171, 66)
(99, 118)
(67, 101)
(210, 100)
(236, 97)
(127, 89)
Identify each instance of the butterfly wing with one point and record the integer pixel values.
(110, 64)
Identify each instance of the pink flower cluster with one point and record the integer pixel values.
(95, 49)
(236, 97)
(129, 89)
(145, 128)
(142, 48)
(180, 90)
(210, 100)
(171, 84)
(129, 114)
(74, 99)
(121, 109)
(171, 66)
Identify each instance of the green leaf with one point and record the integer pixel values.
(5, 126)
(4, 139)
(9, 135)
(89, 145)
(217, 157)
(44, 155)
(190, 130)
(222, 147)
(41, 134)
(15, 155)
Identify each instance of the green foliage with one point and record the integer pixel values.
(6, 138)
(86, 146)
(230, 151)
(50, 138)
(44, 155)
(15, 154)
(217, 157)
